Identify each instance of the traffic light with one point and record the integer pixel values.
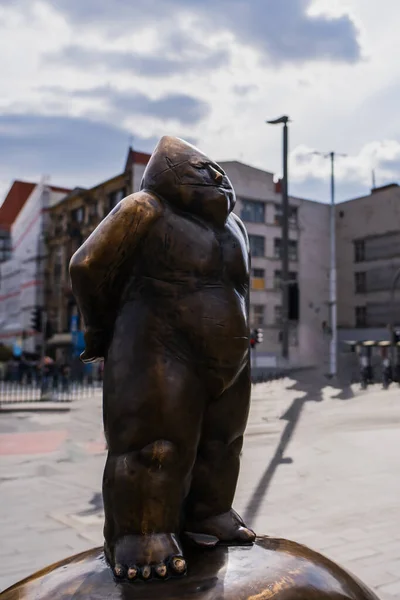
(293, 301)
(396, 337)
(253, 340)
(49, 330)
(259, 336)
(37, 319)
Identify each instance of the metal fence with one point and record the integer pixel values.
(14, 392)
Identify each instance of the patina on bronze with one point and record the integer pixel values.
(163, 285)
(272, 569)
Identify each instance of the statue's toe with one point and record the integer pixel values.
(146, 572)
(144, 557)
(161, 570)
(119, 570)
(133, 573)
(178, 565)
(245, 535)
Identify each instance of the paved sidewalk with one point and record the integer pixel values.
(325, 474)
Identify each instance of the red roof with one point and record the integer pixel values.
(137, 158)
(16, 198)
(14, 201)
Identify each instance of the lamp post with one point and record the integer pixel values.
(332, 270)
(285, 237)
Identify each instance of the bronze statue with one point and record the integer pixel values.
(163, 286)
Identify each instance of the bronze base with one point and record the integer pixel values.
(271, 569)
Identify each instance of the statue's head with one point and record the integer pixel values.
(189, 180)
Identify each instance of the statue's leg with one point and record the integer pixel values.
(210, 517)
(153, 413)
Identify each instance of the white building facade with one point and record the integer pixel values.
(22, 277)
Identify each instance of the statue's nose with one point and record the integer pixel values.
(218, 176)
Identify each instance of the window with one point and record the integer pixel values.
(293, 337)
(278, 214)
(292, 249)
(57, 272)
(257, 245)
(5, 247)
(253, 211)
(93, 210)
(361, 316)
(359, 251)
(278, 278)
(292, 216)
(77, 215)
(115, 197)
(360, 281)
(57, 266)
(277, 248)
(257, 312)
(278, 314)
(258, 273)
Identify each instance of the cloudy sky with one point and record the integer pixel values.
(81, 79)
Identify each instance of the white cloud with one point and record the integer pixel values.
(333, 106)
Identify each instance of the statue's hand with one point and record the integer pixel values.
(95, 346)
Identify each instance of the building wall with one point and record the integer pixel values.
(314, 260)
(22, 277)
(310, 230)
(137, 174)
(373, 220)
(72, 221)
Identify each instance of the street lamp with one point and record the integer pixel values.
(332, 275)
(285, 236)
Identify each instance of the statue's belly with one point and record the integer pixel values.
(214, 320)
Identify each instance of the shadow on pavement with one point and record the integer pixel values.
(313, 392)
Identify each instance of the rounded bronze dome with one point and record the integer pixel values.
(272, 568)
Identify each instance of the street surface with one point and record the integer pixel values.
(318, 469)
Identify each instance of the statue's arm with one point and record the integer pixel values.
(98, 267)
(245, 239)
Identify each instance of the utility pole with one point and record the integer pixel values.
(43, 336)
(333, 276)
(285, 237)
(373, 179)
(332, 269)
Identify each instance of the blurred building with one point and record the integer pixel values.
(259, 204)
(49, 224)
(71, 222)
(368, 257)
(23, 217)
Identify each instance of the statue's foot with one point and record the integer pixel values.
(145, 556)
(225, 528)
